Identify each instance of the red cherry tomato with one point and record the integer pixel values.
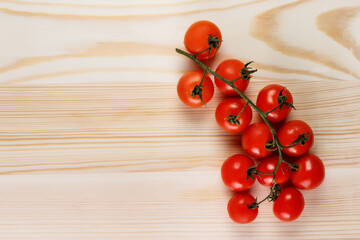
(268, 99)
(289, 204)
(231, 69)
(268, 165)
(200, 36)
(254, 140)
(187, 84)
(290, 132)
(234, 172)
(226, 115)
(311, 172)
(238, 210)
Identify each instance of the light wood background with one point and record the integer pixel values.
(94, 143)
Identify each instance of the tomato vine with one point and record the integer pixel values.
(275, 144)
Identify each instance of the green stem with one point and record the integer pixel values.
(237, 117)
(272, 109)
(202, 79)
(206, 49)
(233, 119)
(267, 197)
(264, 173)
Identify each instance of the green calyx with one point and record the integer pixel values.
(270, 146)
(235, 119)
(246, 71)
(232, 119)
(252, 171)
(214, 42)
(282, 100)
(197, 91)
(302, 139)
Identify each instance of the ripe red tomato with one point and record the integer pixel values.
(234, 172)
(254, 140)
(311, 172)
(268, 99)
(268, 165)
(226, 115)
(289, 204)
(231, 69)
(186, 87)
(293, 130)
(201, 36)
(238, 210)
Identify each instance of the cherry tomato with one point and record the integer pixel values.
(234, 172)
(254, 140)
(231, 69)
(293, 130)
(311, 172)
(268, 165)
(226, 115)
(268, 98)
(289, 204)
(238, 210)
(203, 35)
(187, 84)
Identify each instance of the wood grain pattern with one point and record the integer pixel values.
(94, 143)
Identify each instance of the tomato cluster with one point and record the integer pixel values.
(268, 151)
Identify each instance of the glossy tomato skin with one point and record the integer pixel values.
(254, 140)
(233, 106)
(290, 131)
(289, 204)
(268, 165)
(234, 172)
(267, 100)
(186, 85)
(231, 69)
(238, 210)
(197, 36)
(311, 172)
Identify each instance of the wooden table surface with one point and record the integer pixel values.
(95, 144)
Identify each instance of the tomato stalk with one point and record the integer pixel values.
(197, 91)
(275, 188)
(302, 138)
(282, 100)
(233, 119)
(246, 71)
(213, 42)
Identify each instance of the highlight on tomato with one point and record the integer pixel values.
(233, 115)
(203, 39)
(195, 88)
